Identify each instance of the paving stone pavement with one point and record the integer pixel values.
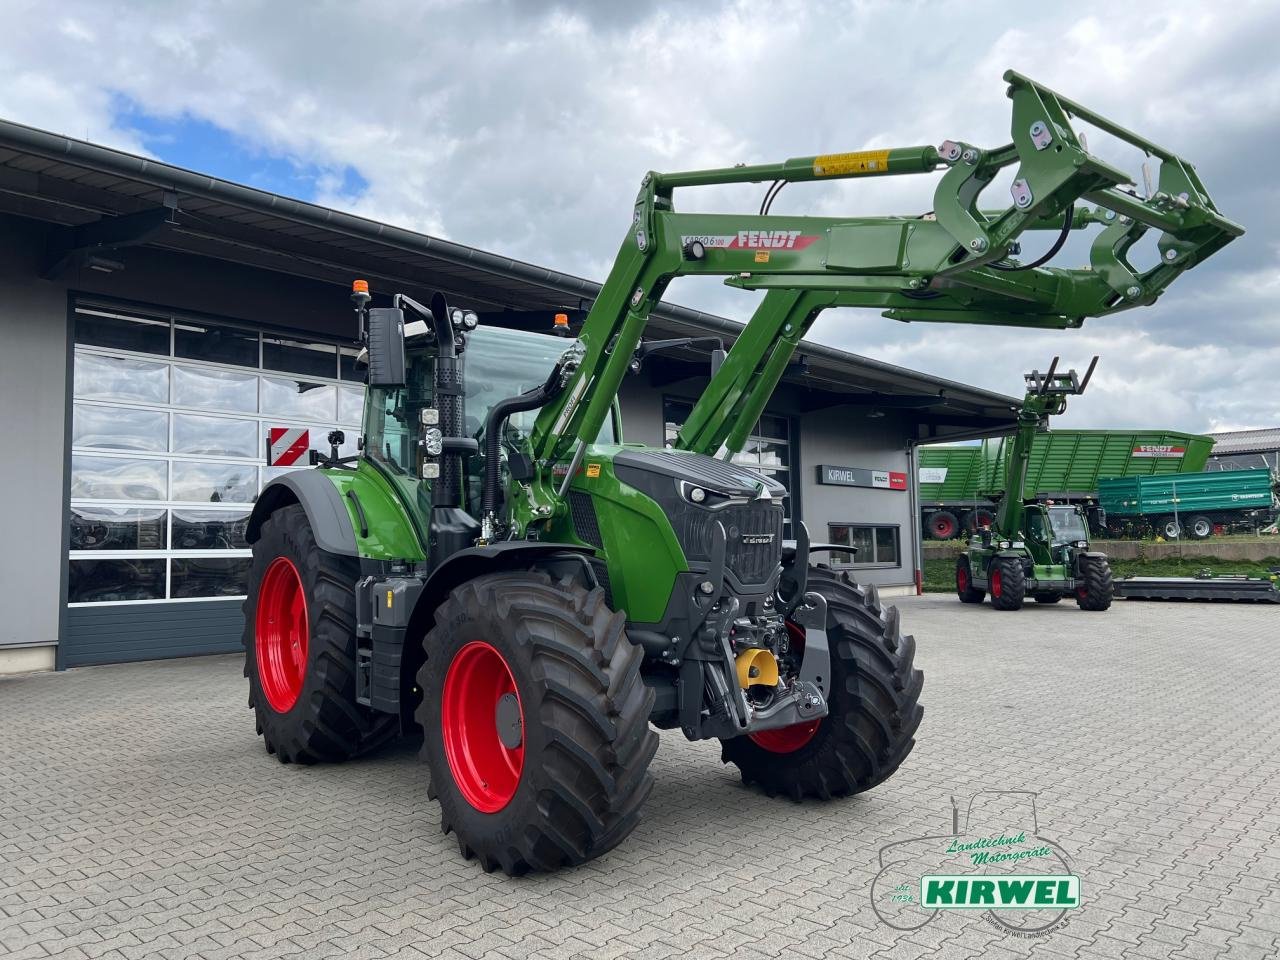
(141, 817)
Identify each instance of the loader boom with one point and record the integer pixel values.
(951, 265)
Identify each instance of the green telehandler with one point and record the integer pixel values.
(1035, 549)
(499, 570)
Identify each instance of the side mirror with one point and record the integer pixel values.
(386, 347)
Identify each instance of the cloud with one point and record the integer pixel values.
(524, 128)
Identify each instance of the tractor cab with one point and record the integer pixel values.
(1056, 530)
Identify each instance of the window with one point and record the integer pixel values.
(168, 435)
(874, 546)
(768, 449)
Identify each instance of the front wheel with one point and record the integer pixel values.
(1094, 589)
(535, 722)
(300, 648)
(1171, 529)
(1007, 582)
(873, 705)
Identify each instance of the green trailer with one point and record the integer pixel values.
(960, 485)
(1190, 504)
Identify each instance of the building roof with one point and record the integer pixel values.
(1246, 441)
(109, 197)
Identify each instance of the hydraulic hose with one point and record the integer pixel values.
(493, 425)
(1051, 252)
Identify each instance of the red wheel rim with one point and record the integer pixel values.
(486, 770)
(962, 579)
(281, 634)
(792, 738)
(943, 528)
(1082, 593)
(996, 583)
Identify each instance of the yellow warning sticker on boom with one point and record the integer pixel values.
(844, 164)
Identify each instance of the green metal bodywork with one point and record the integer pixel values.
(1061, 462)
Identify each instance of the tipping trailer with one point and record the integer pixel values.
(535, 596)
(960, 485)
(1194, 505)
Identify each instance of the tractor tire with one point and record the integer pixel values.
(943, 525)
(1200, 528)
(1097, 590)
(874, 706)
(965, 589)
(300, 648)
(1169, 528)
(567, 785)
(1046, 596)
(1008, 586)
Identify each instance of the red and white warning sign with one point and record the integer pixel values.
(1158, 451)
(286, 446)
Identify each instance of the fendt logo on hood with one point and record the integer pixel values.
(755, 240)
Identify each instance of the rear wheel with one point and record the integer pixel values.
(965, 589)
(535, 722)
(299, 641)
(1170, 528)
(1007, 584)
(1094, 590)
(943, 525)
(978, 520)
(1200, 528)
(874, 707)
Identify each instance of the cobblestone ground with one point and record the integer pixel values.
(140, 816)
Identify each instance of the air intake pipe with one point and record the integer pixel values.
(493, 425)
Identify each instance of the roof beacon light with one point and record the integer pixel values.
(561, 325)
(359, 286)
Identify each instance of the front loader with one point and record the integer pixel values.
(500, 570)
(1035, 549)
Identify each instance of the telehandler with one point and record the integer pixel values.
(533, 594)
(1034, 549)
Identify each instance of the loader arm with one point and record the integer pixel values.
(950, 265)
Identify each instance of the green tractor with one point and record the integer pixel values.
(499, 571)
(1035, 549)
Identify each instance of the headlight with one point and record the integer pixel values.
(455, 317)
(433, 442)
(1005, 544)
(1082, 544)
(697, 494)
(470, 320)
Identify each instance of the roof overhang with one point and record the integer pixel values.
(103, 200)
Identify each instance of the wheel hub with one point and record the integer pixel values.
(482, 725)
(281, 635)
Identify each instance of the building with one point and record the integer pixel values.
(157, 322)
(1246, 450)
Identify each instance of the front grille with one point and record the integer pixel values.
(751, 563)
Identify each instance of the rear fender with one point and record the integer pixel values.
(326, 513)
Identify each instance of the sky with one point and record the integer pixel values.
(524, 128)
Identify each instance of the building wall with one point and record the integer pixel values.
(33, 371)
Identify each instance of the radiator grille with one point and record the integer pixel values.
(751, 563)
(582, 510)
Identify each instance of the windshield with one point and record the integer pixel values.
(1068, 526)
(503, 363)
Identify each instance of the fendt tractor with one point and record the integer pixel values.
(1035, 549)
(498, 570)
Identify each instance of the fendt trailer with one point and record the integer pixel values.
(960, 485)
(534, 595)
